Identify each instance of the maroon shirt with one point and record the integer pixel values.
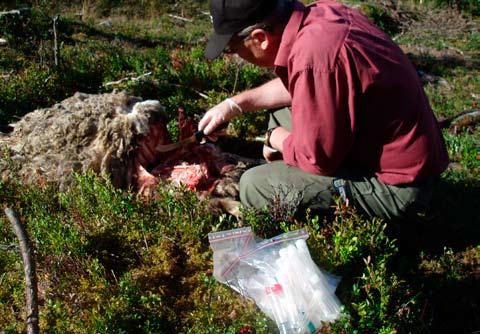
(357, 101)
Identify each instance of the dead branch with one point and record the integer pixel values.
(15, 12)
(140, 77)
(461, 121)
(466, 118)
(31, 289)
(10, 12)
(56, 49)
(179, 18)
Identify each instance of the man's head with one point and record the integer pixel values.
(236, 21)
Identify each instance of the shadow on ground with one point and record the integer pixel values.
(438, 256)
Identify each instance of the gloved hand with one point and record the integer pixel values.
(219, 114)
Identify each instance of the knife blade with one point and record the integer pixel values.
(195, 138)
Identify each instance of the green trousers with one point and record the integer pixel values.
(279, 184)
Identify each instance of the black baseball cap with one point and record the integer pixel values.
(232, 16)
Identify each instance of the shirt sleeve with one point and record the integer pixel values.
(322, 127)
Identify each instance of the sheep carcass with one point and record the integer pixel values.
(115, 135)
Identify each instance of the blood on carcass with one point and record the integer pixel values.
(115, 135)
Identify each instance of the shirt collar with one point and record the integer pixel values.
(289, 34)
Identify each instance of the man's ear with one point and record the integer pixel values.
(261, 38)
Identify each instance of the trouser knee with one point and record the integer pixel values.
(251, 193)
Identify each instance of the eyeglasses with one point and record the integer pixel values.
(243, 36)
(232, 46)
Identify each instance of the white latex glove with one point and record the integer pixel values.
(219, 114)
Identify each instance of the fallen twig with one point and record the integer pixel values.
(56, 50)
(467, 118)
(461, 121)
(15, 12)
(31, 289)
(179, 18)
(111, 83)
(10, 12)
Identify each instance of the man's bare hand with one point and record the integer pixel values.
(271, 154)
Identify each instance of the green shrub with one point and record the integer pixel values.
(361, 253)
(468, 6)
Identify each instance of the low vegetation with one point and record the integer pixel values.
(109, 263)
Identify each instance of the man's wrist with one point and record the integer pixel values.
(268, 135)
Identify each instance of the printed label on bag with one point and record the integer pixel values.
(273, 289)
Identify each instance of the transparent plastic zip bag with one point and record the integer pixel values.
(227, 246)
(281, 277)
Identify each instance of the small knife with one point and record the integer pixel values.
(195, 138)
